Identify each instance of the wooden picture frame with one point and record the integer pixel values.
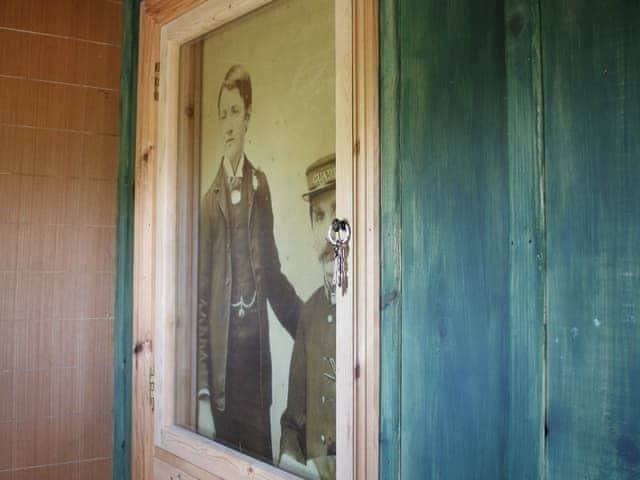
(164, 26)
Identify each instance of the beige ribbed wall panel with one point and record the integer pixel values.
(59, 80)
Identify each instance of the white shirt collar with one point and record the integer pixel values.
(228, 171)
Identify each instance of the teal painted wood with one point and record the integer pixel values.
(456, 220)
(121, 448)
(390, 241)
(525, 408)
(591, 52)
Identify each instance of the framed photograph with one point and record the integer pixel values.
(265, 88)
(255, 240)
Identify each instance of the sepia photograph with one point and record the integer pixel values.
(266, 316)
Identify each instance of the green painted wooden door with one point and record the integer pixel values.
(510, 239)
(592, 149)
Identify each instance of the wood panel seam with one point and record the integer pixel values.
(57, 82)
(58, 464)
(538, 91)
(61, 37)
(62, 130)
(390, 242)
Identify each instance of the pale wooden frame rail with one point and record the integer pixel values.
(358, 187)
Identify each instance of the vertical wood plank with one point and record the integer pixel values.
(367, 220)
(456, 219)
(143, 271)
(187, 214)
(390, 244)
(122, 368)
(151, 16)
(525, 403)
(346, 197)
(592, 120)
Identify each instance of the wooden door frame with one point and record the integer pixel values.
(153, 14)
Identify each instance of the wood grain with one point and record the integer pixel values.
(165, 239)
(75, 61)
(96, 20)
(518, 200)
(58, 164)
(366, 216)
(143, 264)
(169, 463)
(168, 471)
(144, 272)
(217, 459)
(390, 245)
(455, 220)
(527, 262)
(33, 103)
(208, 16)
(163, 11)
(122, 369)
(187, 215)
(346, 351)
(592, 116)
(359, 142)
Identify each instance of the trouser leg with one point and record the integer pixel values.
(248, 432)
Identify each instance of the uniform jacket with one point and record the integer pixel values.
(214, 282)
(309, 421)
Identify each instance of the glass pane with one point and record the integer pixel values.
(255, 366)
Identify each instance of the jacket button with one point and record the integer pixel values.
(323, 439)
(323, 399)
(226, 281)
(329, 318)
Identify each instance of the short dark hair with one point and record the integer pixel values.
(237, 77)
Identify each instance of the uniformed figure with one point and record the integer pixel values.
(309, 421)
(239, 270)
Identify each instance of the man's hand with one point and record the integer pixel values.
(203, 394)
(326, 467)
(290, 464)
(205, 418)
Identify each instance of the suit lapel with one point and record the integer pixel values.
(249, 177)
(221, 193)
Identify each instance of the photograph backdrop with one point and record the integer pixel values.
(288, 48)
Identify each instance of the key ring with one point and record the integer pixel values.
(333, 235)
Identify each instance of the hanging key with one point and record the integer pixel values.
(338, 264)
(338, 236)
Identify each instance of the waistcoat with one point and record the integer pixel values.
(242, 281)
(243, 366)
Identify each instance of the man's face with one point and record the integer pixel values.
(234, 119)
(323, 211)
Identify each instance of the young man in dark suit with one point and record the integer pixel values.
(239, 270)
